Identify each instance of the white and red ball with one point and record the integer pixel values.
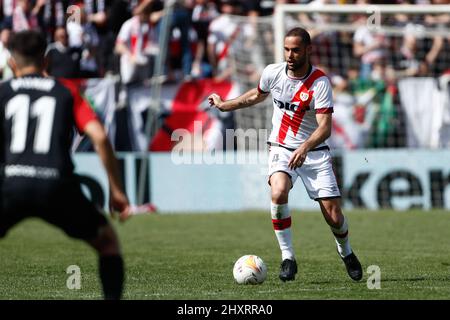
(250, 269)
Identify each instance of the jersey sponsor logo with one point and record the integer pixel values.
(289, 106)
(31, 172)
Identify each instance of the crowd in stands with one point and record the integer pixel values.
(97, 38)
(92, 38)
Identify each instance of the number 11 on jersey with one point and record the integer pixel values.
(20, 110)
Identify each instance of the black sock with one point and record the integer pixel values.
(112, 276)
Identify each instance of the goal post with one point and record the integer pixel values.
(371, 10)
(414, 44)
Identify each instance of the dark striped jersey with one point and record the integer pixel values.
(37, 120)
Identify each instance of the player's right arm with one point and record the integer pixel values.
(118, 200)
(248, 99)
(87, 123)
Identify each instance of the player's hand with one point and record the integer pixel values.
(119, 202)
(215, 101)
(297, 158)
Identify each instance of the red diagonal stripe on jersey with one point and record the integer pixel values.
(295, 122)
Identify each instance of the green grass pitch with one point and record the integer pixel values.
(191, 257)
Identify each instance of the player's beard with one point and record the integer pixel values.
(299, 64)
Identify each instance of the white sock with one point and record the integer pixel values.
(341, 238)
(281, 220)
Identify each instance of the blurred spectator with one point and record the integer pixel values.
(203, 13)
(84, 37)
(223, 31)
(328, 43)
(317, 19)
(369, 45)
(50, 14)
(375, 105)
(136, 45)
(251, 8)
(118, 12)
(25, 16)
(63, 61)
(409, 63)
(180, 50)
(182, 23)
(96, 23)
(435, 60)
(96, 12)
(348, 131)
(7, 9)
(5, 71)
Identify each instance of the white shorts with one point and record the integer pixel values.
(316, 172)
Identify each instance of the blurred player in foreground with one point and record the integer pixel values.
(303, 105)
(37, 118)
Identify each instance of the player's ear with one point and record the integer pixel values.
(308, 49)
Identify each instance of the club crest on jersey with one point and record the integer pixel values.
(304, 96)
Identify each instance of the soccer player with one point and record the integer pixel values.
(302, 101)
(37, 119)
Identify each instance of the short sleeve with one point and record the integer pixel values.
(124, 33)
(83, 113)
(264, 81)
(323, 96)
(212, 29)
(359, 35)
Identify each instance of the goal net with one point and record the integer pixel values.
(252, 50)
(375, 57)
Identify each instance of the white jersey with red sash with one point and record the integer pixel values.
(296, 102)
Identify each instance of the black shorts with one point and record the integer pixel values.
(61, 204)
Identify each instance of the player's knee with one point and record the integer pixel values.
(280, 195)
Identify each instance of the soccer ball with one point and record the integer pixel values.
(250, 269)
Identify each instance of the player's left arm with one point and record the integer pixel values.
(323, 132)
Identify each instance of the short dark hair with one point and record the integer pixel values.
(28, 47)
(301, 33)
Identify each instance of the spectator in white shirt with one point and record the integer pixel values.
(136, 46)
(5, 71)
